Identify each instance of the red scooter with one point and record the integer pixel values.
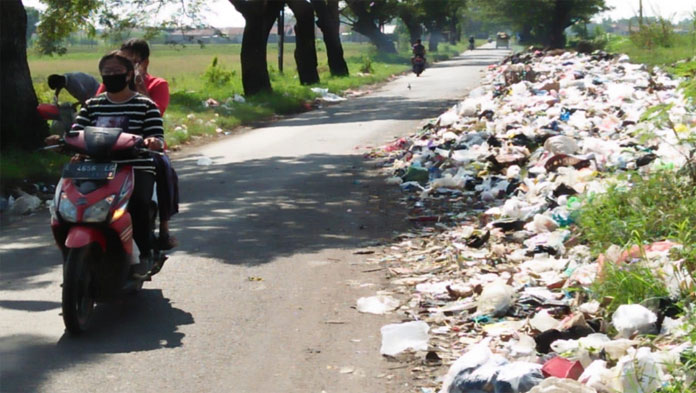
(418, 64)
(91, 223)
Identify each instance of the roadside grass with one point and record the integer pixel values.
(660, 206)
(629, 284)
(684, 47)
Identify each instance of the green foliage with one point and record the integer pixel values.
(216, 74)
(687, 365)
(117, 18)
(366, 66)
(535, 19)
(16, 166)
(32, 21)
(628, 284)
(60, 19)
(687, 70)
(659, 33)
(682, 48)
(660, 206)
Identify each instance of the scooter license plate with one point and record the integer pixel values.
(89, 170)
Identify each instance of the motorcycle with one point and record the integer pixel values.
(91, 223)
(418, 64)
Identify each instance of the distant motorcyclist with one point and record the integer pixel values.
(418, 59)
(418, 49)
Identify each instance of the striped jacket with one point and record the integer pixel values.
(139, 115)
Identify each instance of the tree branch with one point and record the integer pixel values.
(241, 6)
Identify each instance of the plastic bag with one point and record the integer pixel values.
(630, 318)
(399, 337)
(495, 299)
(559, 385)
(377, 304)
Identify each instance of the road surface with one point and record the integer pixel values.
(260, 295)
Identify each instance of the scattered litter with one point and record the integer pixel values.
(326, 96)
(493, 189)
(204, 161)
(380, 304)
(399, 337)
(633, 318)
(24, 204)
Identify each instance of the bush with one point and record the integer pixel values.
(656, 34)
(216, 74)
(366, 66)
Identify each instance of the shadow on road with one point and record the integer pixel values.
(144, 322)
(477, 58)
(26, 259)
(29, 305)
(372, 108)
(268, 208)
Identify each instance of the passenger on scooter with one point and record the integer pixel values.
(121, 106)
(157, 89)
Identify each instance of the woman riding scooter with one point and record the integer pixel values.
(120, 106)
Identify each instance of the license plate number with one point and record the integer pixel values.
(88, 170)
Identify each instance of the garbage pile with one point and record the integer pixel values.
(498, 281)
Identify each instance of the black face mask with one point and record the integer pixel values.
(115, 83)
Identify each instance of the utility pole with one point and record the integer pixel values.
(281, 38)
(640, 13)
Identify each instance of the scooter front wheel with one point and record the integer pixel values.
(78, 301)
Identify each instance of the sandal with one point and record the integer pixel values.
(167, 242)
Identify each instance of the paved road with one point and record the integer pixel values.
(259, 296)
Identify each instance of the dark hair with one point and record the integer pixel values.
(138, 46)
(121, 59)
(418, 41)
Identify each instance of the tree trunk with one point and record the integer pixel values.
(259, 17)
(305, 47)
(435, 39)
(378, 39)
(413, 25)
(330, 25)
(20, 124)
(558, 24)
(526, 34)
(365, 25)
(454, 21)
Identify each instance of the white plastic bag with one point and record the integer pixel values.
(380, 304)
(399, 337)
(495, 299)
(630, 318)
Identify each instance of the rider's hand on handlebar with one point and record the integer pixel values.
(77, 158)
(153, 143)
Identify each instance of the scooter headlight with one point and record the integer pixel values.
(53, 207)
(66, 209)
(99, 211)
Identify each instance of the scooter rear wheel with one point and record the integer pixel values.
(78, 302)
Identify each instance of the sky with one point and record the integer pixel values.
(675, 10)
(223, 13)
